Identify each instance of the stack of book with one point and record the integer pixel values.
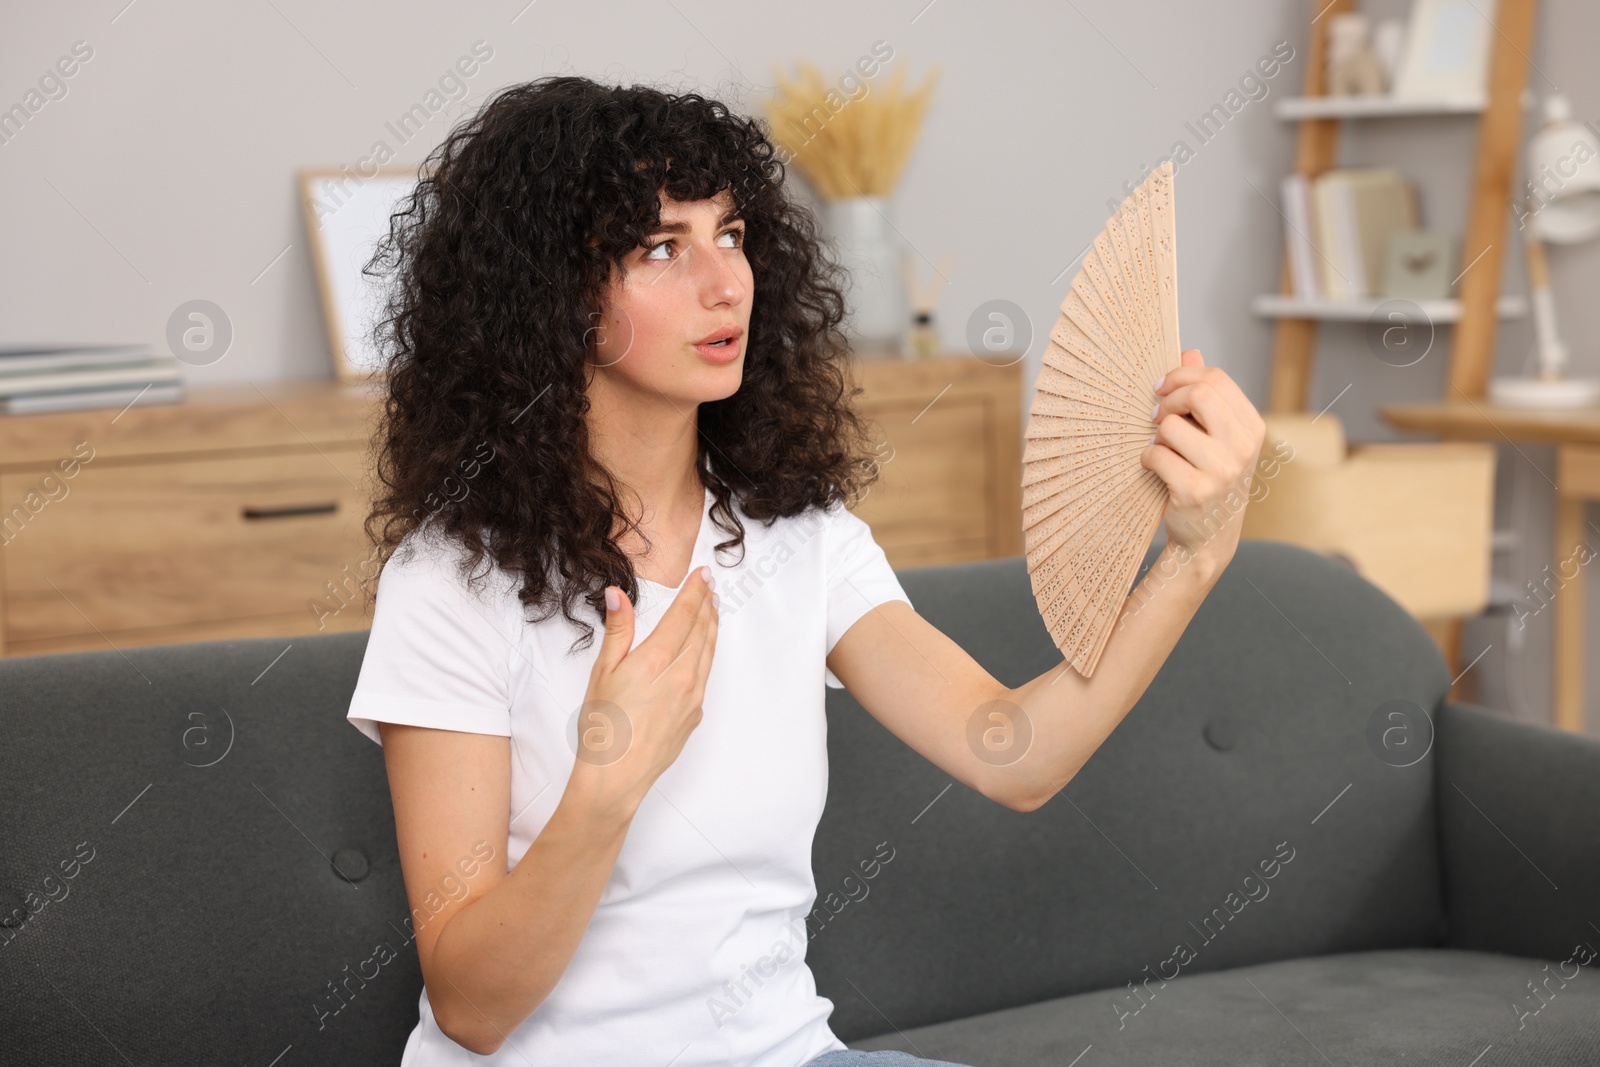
(1338, 231)
(35, 378)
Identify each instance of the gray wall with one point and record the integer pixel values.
(165, 173)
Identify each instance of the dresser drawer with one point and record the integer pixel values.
(145, 546)
(949, 441)
(930, 503)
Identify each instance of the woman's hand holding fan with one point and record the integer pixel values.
(1095, 481)
(1205, 457)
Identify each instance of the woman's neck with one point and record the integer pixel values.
(652, 452)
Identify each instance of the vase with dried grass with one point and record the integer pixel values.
(853, 150)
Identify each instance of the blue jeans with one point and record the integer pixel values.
(856, 1058)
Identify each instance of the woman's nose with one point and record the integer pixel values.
(718, 282)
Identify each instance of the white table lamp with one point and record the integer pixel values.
(1561, 206)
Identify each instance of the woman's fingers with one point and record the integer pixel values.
(1216, 402)
(707, 651)
(1207, 429)
(671, 649)
(1188, 440)
(1210, 410)
(1227, 388)
(1180, 475)
(678, 622)
(686, 666)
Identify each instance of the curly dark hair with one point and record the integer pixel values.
(502, 255)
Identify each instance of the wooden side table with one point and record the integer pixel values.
(1576, 437)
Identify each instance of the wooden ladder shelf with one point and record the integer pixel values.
(1483, 243)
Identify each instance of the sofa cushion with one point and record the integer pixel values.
(1417, 1006)
(1250, 745)
(180, 808)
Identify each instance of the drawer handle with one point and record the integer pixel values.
(295, 509)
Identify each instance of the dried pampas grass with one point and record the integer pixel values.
(848, 145)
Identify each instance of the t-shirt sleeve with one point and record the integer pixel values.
(439, 654)
(859, 576)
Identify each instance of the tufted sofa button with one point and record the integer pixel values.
(1220, 733)
(350, 864)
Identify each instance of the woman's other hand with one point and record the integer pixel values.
(642, 704)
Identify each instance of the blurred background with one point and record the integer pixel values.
(161, 180)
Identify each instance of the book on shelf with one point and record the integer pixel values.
(36, 378)
(158, 370)
(77, 399)
(1296, 196)
(29, 359)
(1338, 226)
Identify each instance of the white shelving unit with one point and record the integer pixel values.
(1359, 309)
(1278, 306)
(1298, 108)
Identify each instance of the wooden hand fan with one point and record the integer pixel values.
(1089, 509)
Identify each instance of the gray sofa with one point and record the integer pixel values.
(1292, 851)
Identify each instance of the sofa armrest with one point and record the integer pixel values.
(1519, 834)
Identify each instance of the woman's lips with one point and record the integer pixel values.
(725, 352)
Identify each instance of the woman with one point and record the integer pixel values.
(617, 396)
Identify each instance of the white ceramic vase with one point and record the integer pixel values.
(876, 298)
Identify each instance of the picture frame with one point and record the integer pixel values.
(345, 216)
(1446, 56)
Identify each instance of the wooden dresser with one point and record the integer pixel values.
(950, 488)
(238, 512)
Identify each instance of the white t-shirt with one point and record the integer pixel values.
(695, 954)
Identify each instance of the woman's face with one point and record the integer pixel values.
(678, 315)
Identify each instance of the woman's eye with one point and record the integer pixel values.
(665, 251)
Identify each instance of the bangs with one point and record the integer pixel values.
(685, 148)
